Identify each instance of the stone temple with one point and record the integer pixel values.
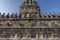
(30, 24)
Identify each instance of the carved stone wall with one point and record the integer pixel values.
(30, 24)
(29, 33)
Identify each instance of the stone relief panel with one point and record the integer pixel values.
(43, 24)
(30, 24)
(9, 23)
(29, 33)
(23, 23)
(1, 23)
(33, 23)
(54, 24)
(49, 24)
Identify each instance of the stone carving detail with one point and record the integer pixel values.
(29, 33)
(1, 23)
(44, 23)
(29, 24)
(9, 23)
(21, 24)
(33, 23)
(54, 24)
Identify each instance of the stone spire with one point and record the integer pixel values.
(29, 1)
(30, 8)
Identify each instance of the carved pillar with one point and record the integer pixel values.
(36, 35)
(41, 36)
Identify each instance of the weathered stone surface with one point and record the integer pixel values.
(30, 24)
